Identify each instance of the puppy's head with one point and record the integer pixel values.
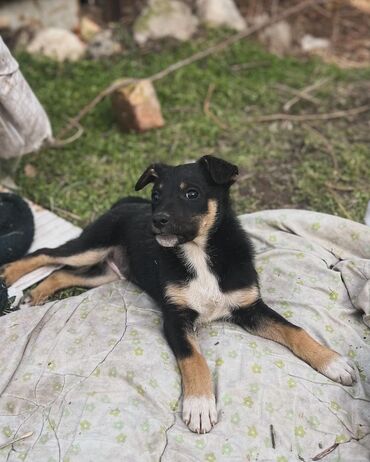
(187, 199)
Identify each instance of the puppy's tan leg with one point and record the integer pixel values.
(261, 320)
(199, 403)
(63, 279)
(14, 271)
(321, 358)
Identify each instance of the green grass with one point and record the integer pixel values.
(282, 165)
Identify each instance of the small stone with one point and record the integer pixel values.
(309, 43)
(58, 44)
(216, 13)
(277, 37)
(136, 107)
(43, 13)
(30, 171)
(165, 18)
(88, 28)
(102, 45)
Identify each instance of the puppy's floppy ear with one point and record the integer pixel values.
(220, 171)
(149, 176)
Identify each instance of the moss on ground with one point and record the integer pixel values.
(282, 164)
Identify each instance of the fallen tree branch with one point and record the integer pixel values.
(189, 60)
(304, 93)
(327, 144)
(207, 107)
(305, 117)
(298, 94)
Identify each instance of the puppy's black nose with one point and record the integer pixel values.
(160, 219)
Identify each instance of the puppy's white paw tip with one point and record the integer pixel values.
(340, 370)
(199, 413)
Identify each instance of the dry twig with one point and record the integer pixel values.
(326, 451)
(272, 434)
(304, 117)
(297, 93)
(288, 12)
(249, 65)
(327, 145)
(207, 107)
(304, 93)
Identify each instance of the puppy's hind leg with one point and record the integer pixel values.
(261, 320)
(91, 247)
(62, 279)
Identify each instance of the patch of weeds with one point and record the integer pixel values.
(281, 164)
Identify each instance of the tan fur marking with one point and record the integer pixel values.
(19, 268)
(182, 185)
(196, 378)
(242, 298)
(301, 344)
(63, 279)
(177, 295)
(16, 270)
(207, 220)
(88, 258)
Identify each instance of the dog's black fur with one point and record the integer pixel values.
(16, 227)
(186, 237)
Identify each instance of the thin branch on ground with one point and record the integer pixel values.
(326, 143)
(249, 65)
(58, 143)
(91, 105)
(338, 187)
(286, 13)
(297, 93)
(207, 107)
(304, 117)
(304, 93)
(335, 196)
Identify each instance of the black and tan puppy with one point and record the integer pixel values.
(188, 251)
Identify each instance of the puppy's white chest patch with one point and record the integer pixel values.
(203, 293)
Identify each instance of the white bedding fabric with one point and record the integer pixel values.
(94, 380)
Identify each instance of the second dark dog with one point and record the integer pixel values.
(188, 251)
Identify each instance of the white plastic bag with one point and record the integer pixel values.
(24, 125)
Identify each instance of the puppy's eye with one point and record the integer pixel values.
(155, 196)
(192, 194)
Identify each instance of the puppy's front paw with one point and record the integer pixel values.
(199, 413)
(340, 370)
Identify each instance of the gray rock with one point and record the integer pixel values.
(44, 13)
(58, 44)
(165, 18)
(216, 13)
(102, 45)
(277, 37)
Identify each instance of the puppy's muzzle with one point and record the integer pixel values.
(160, 221)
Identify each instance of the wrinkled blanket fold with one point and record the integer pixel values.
(93, 378)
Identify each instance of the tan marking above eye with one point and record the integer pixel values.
(182, 185)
